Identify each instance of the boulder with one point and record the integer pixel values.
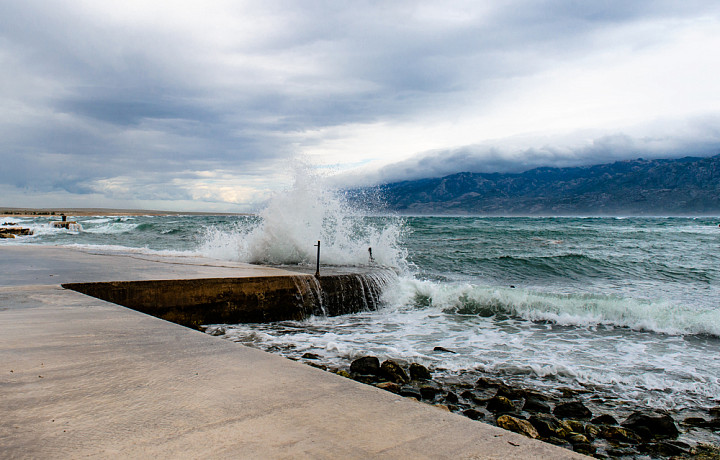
(389, 386)
(574, 409)
(368, 365)
(500, 404)
(310, 356)
(393, 372)
(429, 391)
(549, 426)
(533, 404)
(451, 398)
(473, 414)
(659, 425)
(517, 425)
(617, 433)
(410, 392)
(419, 372)
(604, 419)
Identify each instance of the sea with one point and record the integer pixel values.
(624, 308)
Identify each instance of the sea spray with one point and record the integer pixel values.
(287, 229)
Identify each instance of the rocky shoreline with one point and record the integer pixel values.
(575, 419)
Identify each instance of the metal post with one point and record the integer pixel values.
(317, 269)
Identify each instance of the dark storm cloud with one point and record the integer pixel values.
(701, 138)
(92, 94)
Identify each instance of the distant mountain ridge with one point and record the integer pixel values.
(684, 186)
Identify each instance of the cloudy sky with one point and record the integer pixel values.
(207, 105)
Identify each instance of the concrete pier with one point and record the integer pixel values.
(82, 377)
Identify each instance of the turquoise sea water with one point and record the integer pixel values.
(626, 307)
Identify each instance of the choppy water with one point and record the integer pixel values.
(629, 307)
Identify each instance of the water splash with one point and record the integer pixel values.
(287, 229)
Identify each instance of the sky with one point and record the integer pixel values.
(211, 106)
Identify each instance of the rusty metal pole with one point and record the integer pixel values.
(317, 269)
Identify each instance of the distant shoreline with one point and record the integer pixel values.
(51, 212)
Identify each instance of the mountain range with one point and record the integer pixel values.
(683, 186)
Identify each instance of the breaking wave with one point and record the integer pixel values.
(576, 309)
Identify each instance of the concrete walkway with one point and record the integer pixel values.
(80, 377)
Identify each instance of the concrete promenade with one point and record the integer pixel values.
(81, 377)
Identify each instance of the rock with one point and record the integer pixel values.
(664, 449)
(584, 448)
(616, 433)
(510, 393)
(535, 405)
(517, 425)
(695, 421)
(451, 397)
(419, 372)
(576, 426)
(389, 386)
(444, 350)
(474, 398)
(410, 392)
(549, 426)
(500, 404)
(343, 373)
(368, 365)
(484, 382)
(215, 330)
(393, 372)
(604, 419)
(714, 411)
(574, 409)
(6, 235)
(660, 425)
(365, 378)
(577, 438)
(429, 391)
(592, 431)
(473, 414)
(310, 356)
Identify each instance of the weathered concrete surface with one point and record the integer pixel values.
(26, 264)
(81, 377)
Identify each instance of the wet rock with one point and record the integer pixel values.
(574, 409)
(215, 330)
(576, 426)
(473, 414)
(419, 372)
(310, 356)
(664, 449)
(577, 438)
(410, 392)
(474, 398)
(714, 412)
(500, 404)
(451, 398)
(533, 404)
(619, 434)
(695, 421)
(484, 382)
(659, 425)
(517, 425)
(592, 431)
(389, 386)
(429, 391)
(343, 373)
(365, 378)
(393, 372)
(549, 426)
(584, 448)
(532, 394)
(510, 393)
(605, 419)
(444, 350)
(368, 365)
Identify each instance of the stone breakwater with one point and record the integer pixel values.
(574, 419)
